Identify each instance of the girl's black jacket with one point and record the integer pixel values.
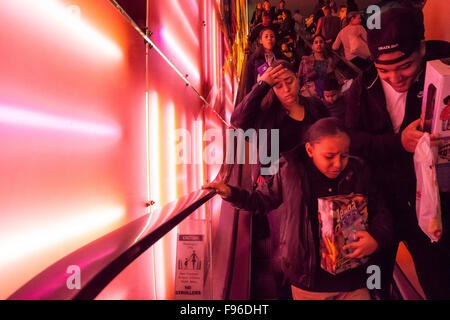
(290, 187)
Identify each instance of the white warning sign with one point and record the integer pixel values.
(190, 267)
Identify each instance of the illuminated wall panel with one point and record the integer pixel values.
(89, 129)
(72, 128)
(177, 123)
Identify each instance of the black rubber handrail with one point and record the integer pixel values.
(103, 259)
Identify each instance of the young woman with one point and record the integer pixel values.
(267, 52)
(314, 68)
(321, 168)
(275, 103)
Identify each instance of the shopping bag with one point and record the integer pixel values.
(428, 205)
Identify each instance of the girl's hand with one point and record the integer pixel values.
(365, 246)
(221, 188)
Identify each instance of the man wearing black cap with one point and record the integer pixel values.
(383, 111)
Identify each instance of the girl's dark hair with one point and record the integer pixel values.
(325, 127)
(317, 36)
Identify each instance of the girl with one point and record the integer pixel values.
(267, 52)
(314, 68)
(322, 167)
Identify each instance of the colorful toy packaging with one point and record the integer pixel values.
(340, 217)
(436, 116)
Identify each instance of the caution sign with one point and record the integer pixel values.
(189, 275)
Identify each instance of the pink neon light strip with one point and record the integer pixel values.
(28, 118)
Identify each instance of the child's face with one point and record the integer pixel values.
(330, 154)
(331, 96)
(268, 39)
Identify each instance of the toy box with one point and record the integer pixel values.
(436, 116)
(340, 217)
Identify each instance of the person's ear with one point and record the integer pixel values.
(309, 149)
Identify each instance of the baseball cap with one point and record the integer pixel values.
(401, 29)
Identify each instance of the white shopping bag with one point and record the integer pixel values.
(428, 204)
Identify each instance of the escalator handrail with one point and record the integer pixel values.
(51, 284)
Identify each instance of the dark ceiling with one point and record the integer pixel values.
(136, 9)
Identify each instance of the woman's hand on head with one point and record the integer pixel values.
(363, 247)
(271, 75)
(221, 188)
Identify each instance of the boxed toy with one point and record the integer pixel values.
(436, 116)
(340, 217)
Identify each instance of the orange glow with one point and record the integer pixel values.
(20, 117)
(14, 246)
(57, 20)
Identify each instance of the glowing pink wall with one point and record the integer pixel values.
(196, 50)
(89, 131)
(72, 130)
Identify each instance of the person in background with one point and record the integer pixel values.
(383, 116)
(299, 22)
(318, 12)
(282, 10)
(332, 98)
(286, 32)
(334, 8)
(354, 40)
(267, 53)
(328, 26)
(313, 68)
(252, 40)
(257, 15)
(322, 167)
